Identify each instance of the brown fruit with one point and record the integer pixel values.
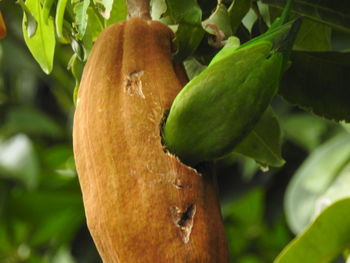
(141, 203)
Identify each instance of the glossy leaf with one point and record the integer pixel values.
(313, 178)
(324, 239)
(42, 43)
(319, 82)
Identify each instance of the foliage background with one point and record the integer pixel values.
(41, 212)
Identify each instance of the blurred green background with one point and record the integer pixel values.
(41, 212)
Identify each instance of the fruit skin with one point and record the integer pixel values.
(141, 203)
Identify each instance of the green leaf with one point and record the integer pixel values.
(327, 237)
(263, 143)
(312, 180)
(59, 18)
(31, 24)
(319, 82)
(158, 8)
(218, 21)
(334, 13)
(339, 189)
(188, 15)
(118, 12)
(46, 10)
(76, 67)
(81, 17)
(237, 11)
(21, 119)
(304, 129)
(42, 43)
(93, 29)
(313, 36)
(193, 67)
(105, 7)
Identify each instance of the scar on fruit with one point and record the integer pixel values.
(133, 83)
(183, 219)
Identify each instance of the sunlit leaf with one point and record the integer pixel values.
(313, 178)
(118, 12)
(105, 7)
(59, 20)
(42, 43)
(81, 17)
(324, 239)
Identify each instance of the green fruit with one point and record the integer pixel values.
(222, 104)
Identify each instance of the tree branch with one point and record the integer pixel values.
(138, 8)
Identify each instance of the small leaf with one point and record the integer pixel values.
(263, 143)
(42, 43)
(105, 7)
(313, 178)
(93, 29)
(81, 17)
(31, 24)
(76, 67)
(219, 19)
(158, 8)
(327, 237)
(59, 18)
(193, 67)
(319, 82)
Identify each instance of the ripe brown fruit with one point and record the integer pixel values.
(142, 204)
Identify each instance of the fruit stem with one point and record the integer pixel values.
(138, 8)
